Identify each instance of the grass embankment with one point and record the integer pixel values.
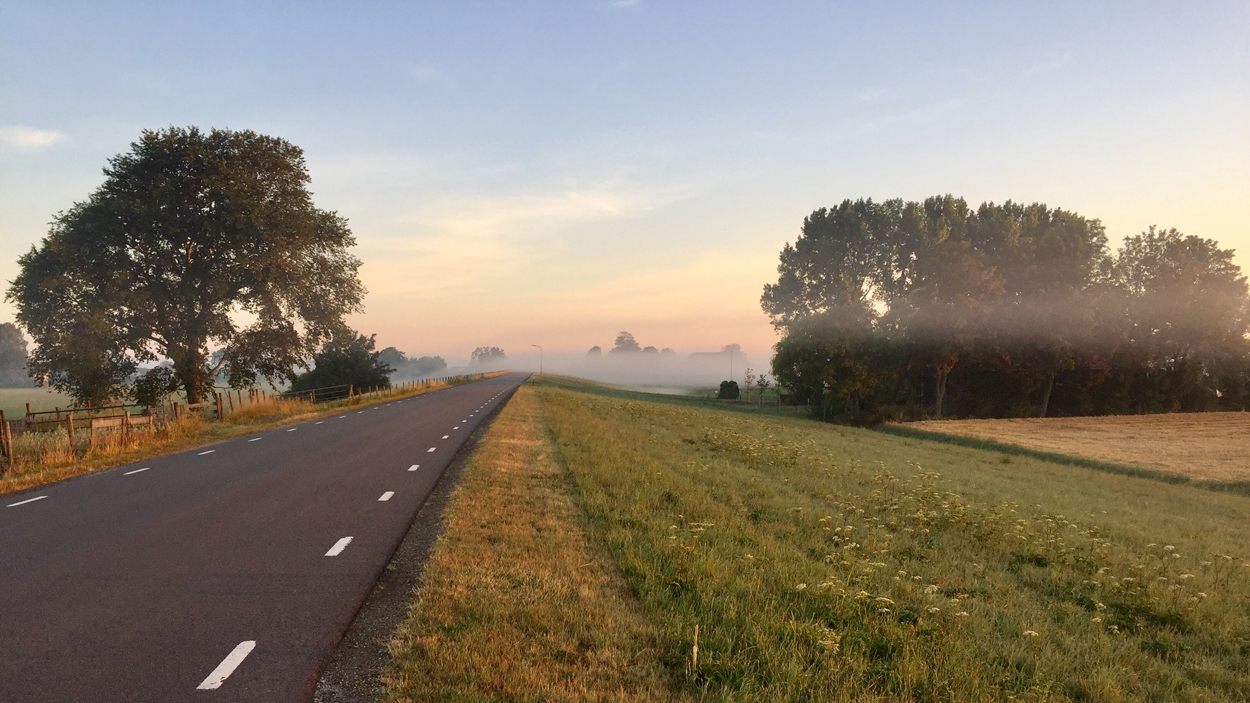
(1200, 446)
(45, 457)
(516, 603)
(834, 563)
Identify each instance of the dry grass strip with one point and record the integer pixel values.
(1203, 446)
(515, 603)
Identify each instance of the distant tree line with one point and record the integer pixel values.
(901, 309)
(404, 367)
(13, 358)
(626, 344)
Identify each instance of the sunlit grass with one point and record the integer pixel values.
(840, 564)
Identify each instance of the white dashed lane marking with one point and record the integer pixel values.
(227, 666)
(31, 500)
(430, 449)
(136, 471)
(207, 452)
(320, 422)
(339, 546)
(456, 428)
(414, 467)
(292, 429)
(386, 496)
(446, 436)
(255, 439)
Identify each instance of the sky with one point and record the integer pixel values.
(554, 172)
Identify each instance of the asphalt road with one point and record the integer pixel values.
(236, 565)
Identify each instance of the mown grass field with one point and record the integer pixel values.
(1203, 446)
(830, 563)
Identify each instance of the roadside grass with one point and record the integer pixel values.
(834, 563)
(46, 457)
(515, 603)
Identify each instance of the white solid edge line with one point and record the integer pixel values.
(339, 546)
(386, 496)
(430, 450)
(227, 666)
(207, 452)
(28, 500)
(414, 467)
(255, 439)
(136, 471)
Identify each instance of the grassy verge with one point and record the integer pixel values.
(842, 564)
(45, 457)
(516, 603)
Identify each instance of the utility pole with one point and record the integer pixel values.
(540, 358)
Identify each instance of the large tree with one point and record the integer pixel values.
(348, 358)
(196, 240)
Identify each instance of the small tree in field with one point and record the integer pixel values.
(762, 384)
(748, 379)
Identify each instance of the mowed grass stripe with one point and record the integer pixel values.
(840, 564)
(516, 603)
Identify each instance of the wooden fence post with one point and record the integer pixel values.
(69, 428)
(90, 435)
(4, 440)
(125, 428)
(220, 409)
(230, 399)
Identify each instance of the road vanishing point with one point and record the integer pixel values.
(227, 572)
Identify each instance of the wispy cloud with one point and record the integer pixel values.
(431, 76)
(1050, 64)
(626, 3)
(29, 138)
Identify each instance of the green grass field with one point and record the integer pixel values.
(13, 401)
(832, 563)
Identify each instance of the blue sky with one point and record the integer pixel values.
(552, 173)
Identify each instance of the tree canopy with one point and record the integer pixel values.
(191, 234)
(487, 355)
(348, 358)
(882, 304)
(626, 343)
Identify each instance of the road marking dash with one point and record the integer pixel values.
(136, 471)
(342, 416)
(386, 496)
(207, 452)
(430, 449)
(227, 666)
(339, 546)
(31, 500)
(320, 422)
(292, 429)
(446, 436)
(456, 427)
(255, 439)
(360, 412)
(414, 467)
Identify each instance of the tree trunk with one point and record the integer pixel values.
(1050, 386)
(942, 373)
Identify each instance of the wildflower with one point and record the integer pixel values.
(1097, 619)
(1100, 606)
(931, 589)
(883, 599)
(1186, 576)
(1202, 595)
(1169, 548)
(961, 614)
(935, 610)
(1030, 633)
(800, 587)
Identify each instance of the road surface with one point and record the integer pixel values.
(223, 573)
